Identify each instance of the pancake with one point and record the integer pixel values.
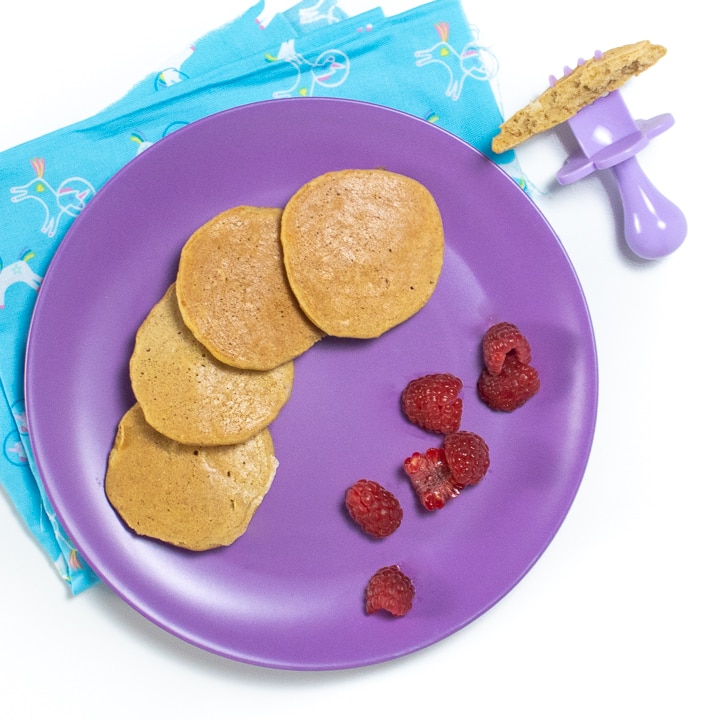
(363, 250)
(588, 82)
(234, 295)
(193, 497)
(189, 395)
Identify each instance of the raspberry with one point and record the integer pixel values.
(467, 456)
(391, 590)
(431, 478)
(513, 387)
(375, 509)
(500, 340)
(432, 402)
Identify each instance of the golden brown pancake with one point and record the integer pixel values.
(588, 82)
(190, 496)
(363, 250)
(189, 395)
(234, 295)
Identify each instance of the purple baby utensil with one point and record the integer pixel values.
(609, 138)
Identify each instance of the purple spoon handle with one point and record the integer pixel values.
(654, 226)
(610, 138)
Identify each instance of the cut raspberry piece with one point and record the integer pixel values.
(499, 341)
(376, 510)
(467, 456)
(513, 387)
(432, 402)
(431, 478)
(391, 590)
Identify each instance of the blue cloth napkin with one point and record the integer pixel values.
(426, 61)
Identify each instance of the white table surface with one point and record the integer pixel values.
(619, 618)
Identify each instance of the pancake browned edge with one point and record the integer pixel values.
(233, 293)
(189, 395)
(192, 497)
(363, 250)
(570, 94)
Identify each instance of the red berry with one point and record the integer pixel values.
(375, 509)
(431, 478)
(432, 402)
(499, 341)
(467, 456)
(391, 590)
(513, 387)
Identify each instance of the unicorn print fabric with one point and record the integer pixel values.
(426, 61)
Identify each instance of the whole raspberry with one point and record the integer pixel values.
(391, 590)
(513, 387)
(375, 509)
(432, 402)
(467, 456)
(431, 478)
(499, 341)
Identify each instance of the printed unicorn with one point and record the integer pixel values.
(143, 144)
(18, 272)
(330, 69)
(172, 74)
(321, 10)
(70, 197)
(270, 9)
(14, 450)
(473, 61)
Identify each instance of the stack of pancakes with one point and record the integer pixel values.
(353, 254)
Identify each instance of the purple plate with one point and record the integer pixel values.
(289, 593)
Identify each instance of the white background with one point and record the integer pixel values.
(619, 618)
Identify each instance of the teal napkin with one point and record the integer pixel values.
(426, 61)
